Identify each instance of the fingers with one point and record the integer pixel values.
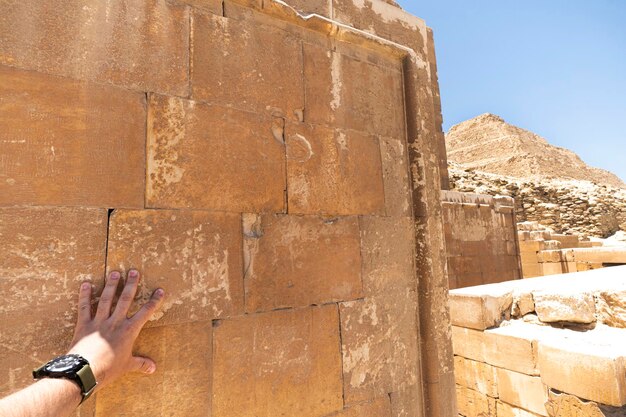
(147, 310)
(106, 299)
(84, 303)
(128, 295)
(143, 365)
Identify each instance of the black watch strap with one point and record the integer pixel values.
(83, 377)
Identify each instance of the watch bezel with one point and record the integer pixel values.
(79, 362)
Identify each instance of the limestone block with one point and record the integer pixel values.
(387, 248)
(611, 308)
(195, 256)
(379, 346)
(46, 254)
(141, 44)
(181, 384)
(395, 177)
(567, 306)
(473, 403)
(69, 143)
(504, 347)
(307, 7)
(204, 156)
(531, 270)
(229, 68)
(211, 6)
(523, 391)
(560, 405)
(380, 407)
(297, 261)
(383, 18)
(480, 307)
(507, 410)
(523, 303)
(552, 268)
(345, 92)
(408, 402)
(333, 172)
(477, 376)
(549, 256)
(591, 372)
(285, 362)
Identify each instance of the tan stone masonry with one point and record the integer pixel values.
(278, 173)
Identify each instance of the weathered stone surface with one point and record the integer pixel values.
(229, 68)
(181, 385)
(46, 253)
(211, 6)
(507, 410)
(589, 371)
(480, 239)
(565, 306)
(342, 91)
(306, 7)
(69, 143)
(379, 346)
(473, 403)
(505, 347)
(522, 391)
(480, 307)
(379, 335)
(565, 405)
(296, 261)
(195, 256)
(477, 376)
(280, 363)
(380, 407)
(388, 249)
(395, 177)
(611, 308)
(408, 402)
(141, 45)
(333, 172)
(203, 156)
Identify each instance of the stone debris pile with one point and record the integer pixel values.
(568, 207)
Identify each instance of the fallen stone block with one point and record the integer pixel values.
(564, 306)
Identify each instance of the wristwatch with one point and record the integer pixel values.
(73, 367)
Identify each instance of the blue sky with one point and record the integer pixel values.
(555, 67)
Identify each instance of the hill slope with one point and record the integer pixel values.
(487, 143)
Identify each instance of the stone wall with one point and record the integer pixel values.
(278, 176)
(568, 207)
(549, 346)
(481, 239)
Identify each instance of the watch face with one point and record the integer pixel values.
(63, 363)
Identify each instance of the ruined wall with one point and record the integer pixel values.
(481, 239)
(569, 207)
(277, 175)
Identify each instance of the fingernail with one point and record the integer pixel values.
(86, 285)
(133, 273)
(160, 292)
(151, 369)
(115, 275)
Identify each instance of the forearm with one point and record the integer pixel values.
(45, 398)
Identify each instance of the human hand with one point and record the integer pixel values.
(106, 339)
